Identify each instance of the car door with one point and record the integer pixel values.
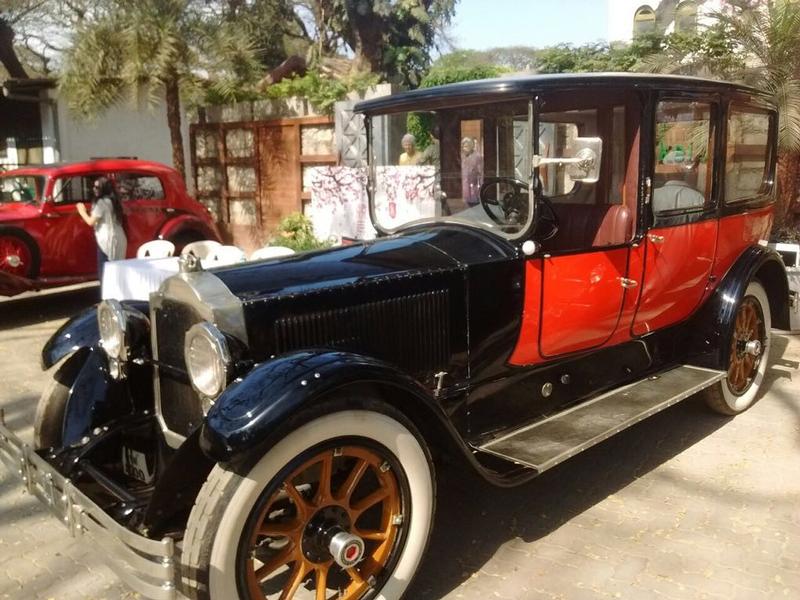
(68, 245)
(585, 264)
(144, 203)
(680, 245)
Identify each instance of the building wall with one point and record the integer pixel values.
(123, 130)
(621, 13)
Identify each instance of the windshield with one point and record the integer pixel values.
(20, 188)
(468, 164)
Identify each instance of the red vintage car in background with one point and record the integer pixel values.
(44, 242)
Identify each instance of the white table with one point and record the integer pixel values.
(136, 278)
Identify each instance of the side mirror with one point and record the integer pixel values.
(583, 165)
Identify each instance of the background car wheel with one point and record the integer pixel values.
(48, 424)
(18, 254)
(749, 350)
(344, 503)
(184, 238)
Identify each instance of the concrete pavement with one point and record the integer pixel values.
(684, 505)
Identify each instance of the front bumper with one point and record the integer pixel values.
(147, 566)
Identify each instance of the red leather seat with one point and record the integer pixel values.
(591, 226)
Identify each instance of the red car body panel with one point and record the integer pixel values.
(66, 245)
(678, 262)
(674, 276)
(582, 300)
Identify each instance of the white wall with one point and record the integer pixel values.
(123, 130)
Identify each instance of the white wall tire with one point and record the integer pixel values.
(220, 516)
(738, 391)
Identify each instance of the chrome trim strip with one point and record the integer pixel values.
(147, 566)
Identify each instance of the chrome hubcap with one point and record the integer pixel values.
(13, 261)
(346, 549)
(753, 347)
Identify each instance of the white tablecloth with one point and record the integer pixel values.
(135, 278)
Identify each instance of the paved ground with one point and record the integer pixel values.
(685, 505)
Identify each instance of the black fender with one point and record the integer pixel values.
(80, 331)
(254, 412)
(712, 326)
(96, 399)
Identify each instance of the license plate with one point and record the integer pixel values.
(134, 463)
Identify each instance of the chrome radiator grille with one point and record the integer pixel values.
(412, 331)
(178, 405)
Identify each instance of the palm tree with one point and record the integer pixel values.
(164, 49)
(762, 51)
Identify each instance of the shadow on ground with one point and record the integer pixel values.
(474, 518)
(48, 306)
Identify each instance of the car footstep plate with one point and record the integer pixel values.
(551, 441)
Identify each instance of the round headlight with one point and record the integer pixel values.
(111, 322)
(207, 359)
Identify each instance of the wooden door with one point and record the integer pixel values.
(279, 173)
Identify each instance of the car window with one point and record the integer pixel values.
(683, 170)
(20, 188)
(77, 188)
(747, 151)
(136, 186)
(470, 164)
(590, 214)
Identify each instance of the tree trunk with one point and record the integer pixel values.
(8, 57)
(365, 37)
(173, 97)
(788, 169)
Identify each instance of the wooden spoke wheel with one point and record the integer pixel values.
(749, 351)
(747, 343)
(341, 507)
(329, 529)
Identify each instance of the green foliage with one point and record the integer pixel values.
(139, 47)
(391, 38)
(420, 126)
(320, 90)
(450, 69)
(296, 232)
(441, 75)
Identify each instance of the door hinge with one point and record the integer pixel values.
(628, 283)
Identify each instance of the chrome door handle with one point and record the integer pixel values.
(628, 283)
(656, 239)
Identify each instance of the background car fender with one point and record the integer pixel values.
(187, 223)
(286, 391)
(711, 327)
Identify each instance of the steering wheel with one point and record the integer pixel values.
(513, 202)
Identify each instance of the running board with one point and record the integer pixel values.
(548, 442)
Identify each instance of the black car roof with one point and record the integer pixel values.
(514, 87)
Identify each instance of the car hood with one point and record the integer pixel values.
(410, 254)
(17, 211)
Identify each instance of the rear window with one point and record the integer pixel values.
(21, 188)
(747, 154)
(135, 186)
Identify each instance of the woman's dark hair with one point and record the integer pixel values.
(104, 188)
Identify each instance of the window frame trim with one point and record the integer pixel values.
(683, 216)
(760, 198)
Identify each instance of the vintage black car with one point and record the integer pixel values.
(559, 258)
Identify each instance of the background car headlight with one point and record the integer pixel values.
(111, 322)
(208, 359)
